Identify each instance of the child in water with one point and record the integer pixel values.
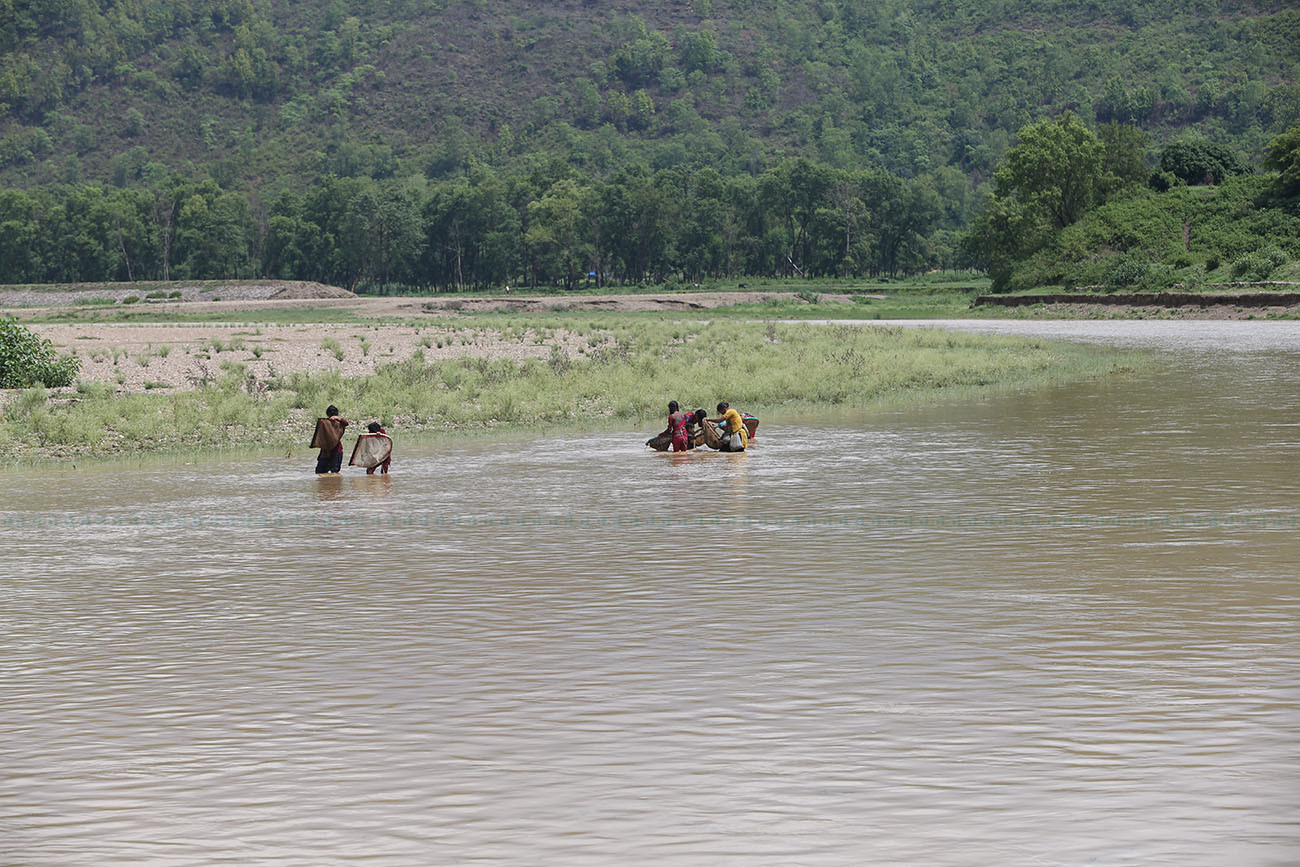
(375, 428)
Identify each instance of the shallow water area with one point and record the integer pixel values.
(1053, 627)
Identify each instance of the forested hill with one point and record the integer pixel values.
(471, 142)
(273, 93)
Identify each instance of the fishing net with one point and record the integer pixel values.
(709, 435)
(661, 442)
(371, 450)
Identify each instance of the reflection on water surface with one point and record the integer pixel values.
(1052, 628)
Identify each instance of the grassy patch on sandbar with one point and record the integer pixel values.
(626, 370)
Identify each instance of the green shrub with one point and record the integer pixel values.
(1162, 182)
(1227, 223)
(1275, 254)
(1129, 272)
(156, 294)
(175, 293)
(1160, 276)
(27, 359)
(1252, 267)
(332, 346)
(131, 299)
(1202, 162)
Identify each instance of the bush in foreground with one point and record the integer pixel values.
(26, 359)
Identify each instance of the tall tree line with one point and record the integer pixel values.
(545, 225)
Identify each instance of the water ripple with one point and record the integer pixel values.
(1049, 629)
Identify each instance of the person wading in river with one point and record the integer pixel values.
(734, 436)
(329, 439)
(679, 427)
(374, 450)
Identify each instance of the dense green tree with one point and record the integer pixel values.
(642, 112)
(293, 244)
(19, 229)
(555, 234)
(1199, 161)
(1049, 179)
(587, 98)
(1284, 158)
(639, 62)
(1124, 157)
(1005, 234)
(846, 216)
(636, 216)
(792, 193)
(903, 213)
(1056, 168)
(392, 233)
(698, 50)
(213, 231)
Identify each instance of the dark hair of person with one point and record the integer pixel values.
(373, 427)
(724, 406)
(672, 406)
(700, 415)
(331, 410)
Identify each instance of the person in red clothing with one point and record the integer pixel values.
(679, 427)
(329, 439)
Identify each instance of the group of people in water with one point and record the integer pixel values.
(686, 430)
(373, 449)
(729, 431)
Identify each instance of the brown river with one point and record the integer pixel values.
(1049, 628)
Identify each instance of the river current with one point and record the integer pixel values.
(1055, 627)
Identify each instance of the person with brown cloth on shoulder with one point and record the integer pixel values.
(329, 439)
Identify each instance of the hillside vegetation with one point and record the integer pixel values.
(474, 142)
(1072, 207)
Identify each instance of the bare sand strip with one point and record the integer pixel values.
(136, 357)
(252, 295)
(163, 358)
(176, 291)
(666, 301)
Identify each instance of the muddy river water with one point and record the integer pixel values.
(1057, 627)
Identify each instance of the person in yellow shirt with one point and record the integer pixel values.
(734, 436)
